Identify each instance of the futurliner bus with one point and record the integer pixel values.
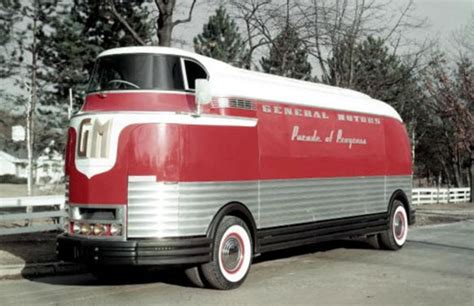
(180, 160)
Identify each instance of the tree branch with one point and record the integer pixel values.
(160, 5)
(125, 23)
(190, 14)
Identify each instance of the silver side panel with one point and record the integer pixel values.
(398, 182)
(157, 209)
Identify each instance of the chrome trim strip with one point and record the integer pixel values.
(164, 91)
(142, 178)
(167, 117)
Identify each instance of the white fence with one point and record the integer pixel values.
(50, 209)
(440, 196)
(45, 214)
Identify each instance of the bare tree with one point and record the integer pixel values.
(263, 20)
(451, 97)
(333, 28)
(165, 23)
(250, 13)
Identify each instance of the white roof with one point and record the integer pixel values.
(228, 81)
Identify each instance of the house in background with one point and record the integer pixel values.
(49, 167)
(10, 164)
(14, 160)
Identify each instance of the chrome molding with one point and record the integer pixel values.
(157, 209)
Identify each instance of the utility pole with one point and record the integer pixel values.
(69, 109)
(31, 108)
(30, 115)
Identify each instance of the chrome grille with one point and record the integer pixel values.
(242, 104)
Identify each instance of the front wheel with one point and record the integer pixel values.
(396, 235)
(232, 255)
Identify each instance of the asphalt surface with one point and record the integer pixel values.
(436, 267)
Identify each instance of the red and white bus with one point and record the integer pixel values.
(177, 159)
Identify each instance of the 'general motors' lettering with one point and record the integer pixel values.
(291, 111)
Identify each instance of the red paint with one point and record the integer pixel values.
(139, 101)
(191, 153)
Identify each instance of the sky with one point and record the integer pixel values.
(443, 17)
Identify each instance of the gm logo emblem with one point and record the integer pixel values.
(94, 138)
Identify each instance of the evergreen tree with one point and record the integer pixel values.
(383, 75)
(9, 56)
(221, 39)
(84, 30)
(288, 56)
(79, 33)
(372, 69)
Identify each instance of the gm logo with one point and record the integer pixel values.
(94, 138)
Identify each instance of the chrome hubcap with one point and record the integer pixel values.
(231, 254)
(399, 225)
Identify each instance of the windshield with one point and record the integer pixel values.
(137, 71)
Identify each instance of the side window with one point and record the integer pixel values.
(167, 73)
(193, 71)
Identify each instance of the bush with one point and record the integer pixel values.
(12, 179)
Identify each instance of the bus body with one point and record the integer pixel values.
(267, 163)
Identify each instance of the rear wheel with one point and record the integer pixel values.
(232, 255)
(396, 235)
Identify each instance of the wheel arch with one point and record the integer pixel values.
(239, 210)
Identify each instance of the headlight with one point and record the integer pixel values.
(86, 229)
(115, 229)
(99, 229)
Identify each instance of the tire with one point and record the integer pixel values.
(194, 276)
(373, 241)
(232, 255)
(396, 235)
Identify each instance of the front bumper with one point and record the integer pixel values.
(169, 251)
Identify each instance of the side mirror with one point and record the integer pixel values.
(202, 93)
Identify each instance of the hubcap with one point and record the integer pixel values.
(232, 253)
(399, 225)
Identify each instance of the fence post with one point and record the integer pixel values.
(450, 200)
(438, 189)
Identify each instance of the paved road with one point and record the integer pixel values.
(436, 267)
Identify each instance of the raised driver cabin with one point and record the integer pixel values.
(182, 160)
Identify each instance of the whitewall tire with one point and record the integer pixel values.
(395, 236)
(232, 255)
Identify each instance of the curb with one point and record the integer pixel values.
(39, 269)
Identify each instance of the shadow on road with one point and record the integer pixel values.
(29, 250)
(314, 248)
(123, 276)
